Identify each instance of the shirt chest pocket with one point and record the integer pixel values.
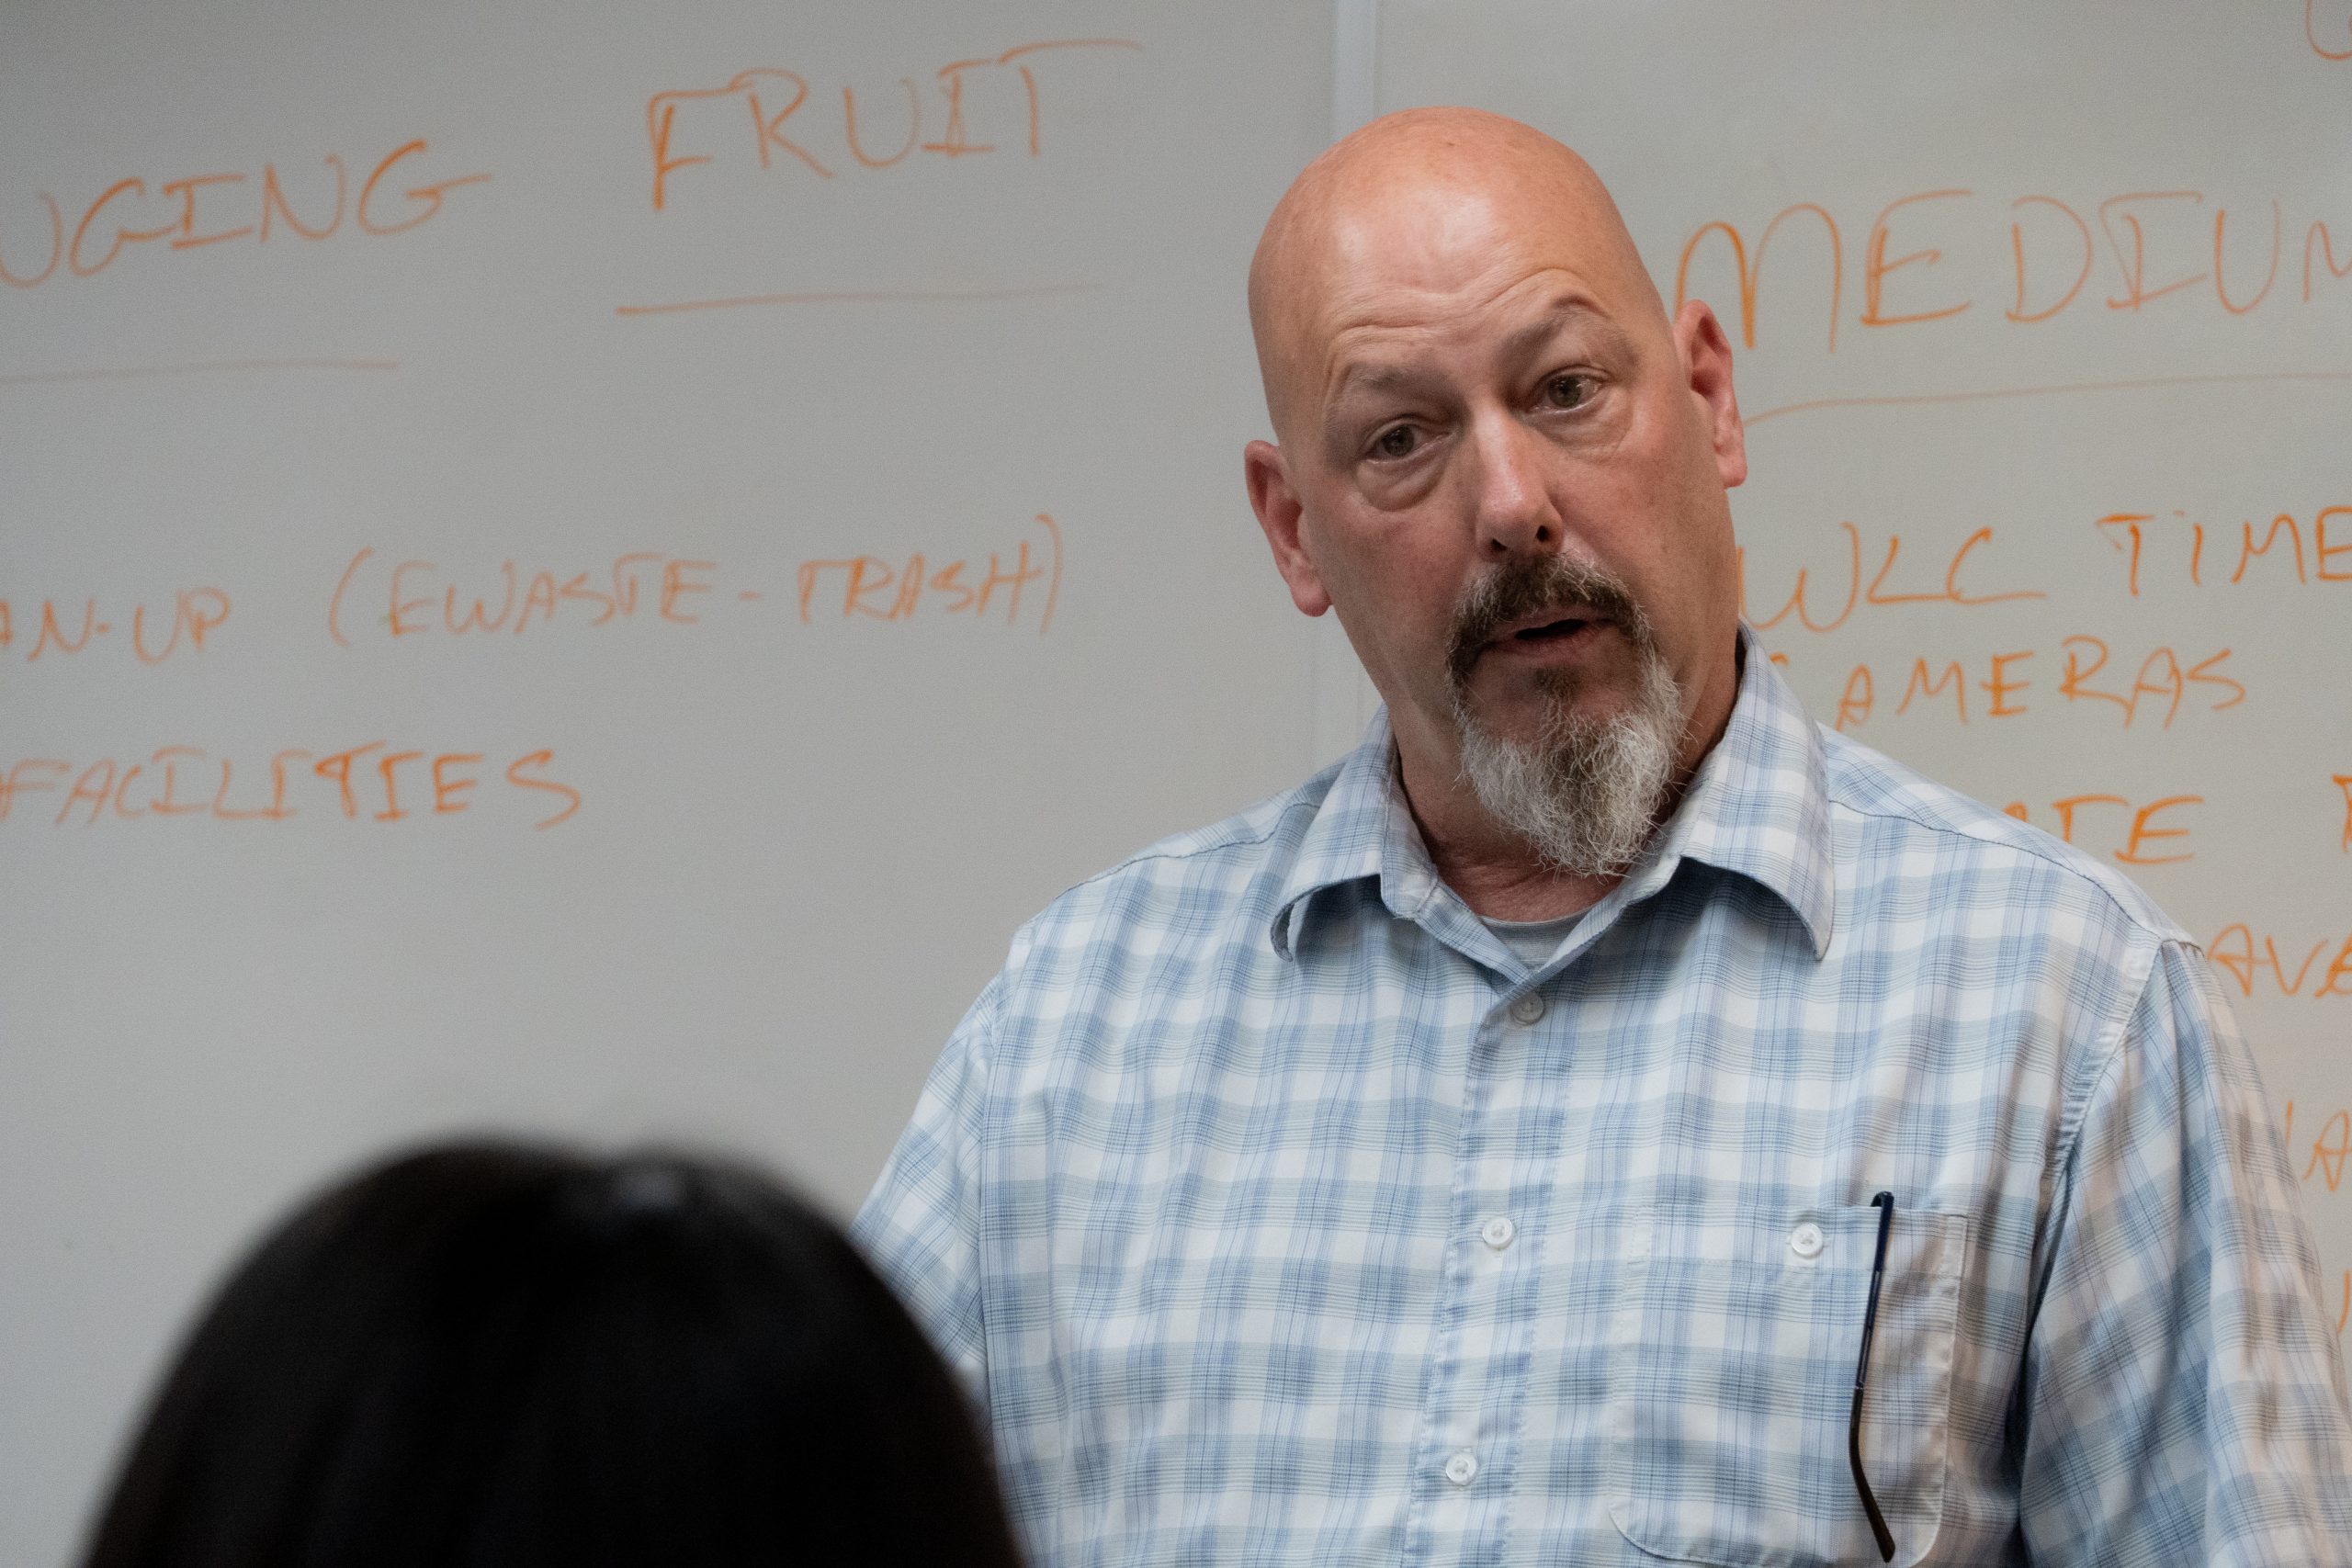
(1732, 1357)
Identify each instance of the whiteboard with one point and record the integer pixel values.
(803, 831)
(729, 575)
(2047, 499)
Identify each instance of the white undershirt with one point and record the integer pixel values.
(1535, 942)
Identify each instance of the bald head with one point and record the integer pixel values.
(1421, 197)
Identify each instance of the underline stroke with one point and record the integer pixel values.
(211, 367)
(853, 296)
(1815, 404)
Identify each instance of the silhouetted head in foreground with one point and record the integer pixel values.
(492, 1356)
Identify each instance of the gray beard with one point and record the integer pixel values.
(1585, 794)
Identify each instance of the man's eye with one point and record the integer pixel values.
(1567, 391)
(1397, 441)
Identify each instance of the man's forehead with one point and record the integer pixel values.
(1440, 236)
(1377, 347)
(1422, 213)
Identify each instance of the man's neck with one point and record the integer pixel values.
(1492, 869)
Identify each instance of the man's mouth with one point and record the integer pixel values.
(1543, 628)
(1538, 614)
(1551, 631)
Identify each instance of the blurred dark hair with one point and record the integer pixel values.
(494, 1355)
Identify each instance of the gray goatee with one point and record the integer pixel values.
(1585, 793)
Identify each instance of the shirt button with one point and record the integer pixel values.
(1806, 1241)
(1497, 1232)
(1529, 1009)
(1462, 1468)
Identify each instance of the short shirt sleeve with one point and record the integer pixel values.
(921, 1226)
(2184, 1397)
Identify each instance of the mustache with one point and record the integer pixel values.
(1527, 585)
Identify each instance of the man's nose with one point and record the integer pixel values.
(1514, 511)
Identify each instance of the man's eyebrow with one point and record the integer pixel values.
(1573, 311)
(1570, 311)
(1363, 377)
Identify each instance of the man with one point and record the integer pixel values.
(1507, 1147)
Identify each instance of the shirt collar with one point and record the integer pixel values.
(1354, 828)
(1758, 806)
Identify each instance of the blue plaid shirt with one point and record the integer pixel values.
(1278, 1215)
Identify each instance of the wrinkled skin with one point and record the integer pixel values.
(1469, 370)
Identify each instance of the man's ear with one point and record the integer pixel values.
(1706, 359)
(1279, 512)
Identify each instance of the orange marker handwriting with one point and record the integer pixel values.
(2269, 553)
(412, 598)
(371, 782)
(1878, 592)
(871, 588)
(2161, 683)
(2321, 43)
(398, 192)
(2150, 833)
(770, 118)
(156, 632)
(2033, 258)
(2236, 951)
